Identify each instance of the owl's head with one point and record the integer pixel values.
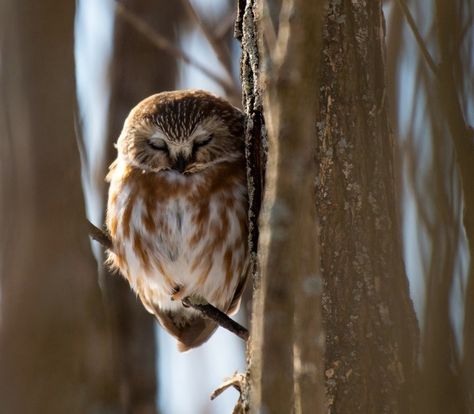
(185, 131)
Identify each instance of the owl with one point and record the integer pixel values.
(177, 208)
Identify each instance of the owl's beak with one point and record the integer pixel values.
(180, 164)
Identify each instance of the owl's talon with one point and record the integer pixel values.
(192, 301)
(176, 292)
(195, 300)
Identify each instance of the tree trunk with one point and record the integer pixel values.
(54, 348)
(368, 315)
(291, 282)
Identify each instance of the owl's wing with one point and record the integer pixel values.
(190, 330)
(235, 302)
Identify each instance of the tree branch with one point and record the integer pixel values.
(211, 312)
(99, 235)
(206, 309)
(237, 381)
(419, 40)
(222, 53)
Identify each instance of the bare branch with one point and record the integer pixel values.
(211, 312)
(164, 44)
(236, 381)
(218, 46)
(269, 34)
(99, 235)
(419, 40)
(206, 309)
(225, 26)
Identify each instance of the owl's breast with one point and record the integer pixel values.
(181, 233)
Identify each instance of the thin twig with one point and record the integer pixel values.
(211, 312)
(99, 235)
(419, 40)
(237, 381)
(164, 44)
(222, 53)
(206, 309)
(269, 32)
(225, 26)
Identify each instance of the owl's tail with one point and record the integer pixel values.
(190, 329)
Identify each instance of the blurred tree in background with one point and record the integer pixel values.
(54, 343)
(430, 65)
(386, 110)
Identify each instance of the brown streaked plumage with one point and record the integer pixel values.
(177, 208)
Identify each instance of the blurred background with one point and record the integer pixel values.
(430, 70)
(69, 75)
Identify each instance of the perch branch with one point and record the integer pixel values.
(206, 309)
(211, 312)
(99, 235)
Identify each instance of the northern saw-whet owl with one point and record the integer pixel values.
(177, 208)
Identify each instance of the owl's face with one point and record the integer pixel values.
(181, 131)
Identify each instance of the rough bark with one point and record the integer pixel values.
(255, 133)
(53, 342)
(137, 69)
(256, 144)
(371, 330)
